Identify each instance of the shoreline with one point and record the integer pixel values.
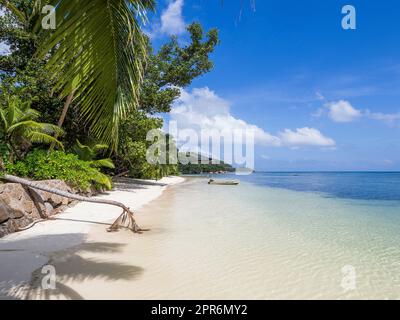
(211, 242)
(24, 252)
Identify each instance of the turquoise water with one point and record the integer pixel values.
(352, 185)
(285, 236)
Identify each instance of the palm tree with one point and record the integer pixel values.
(98, 54)
(19, 128)
(126, 219)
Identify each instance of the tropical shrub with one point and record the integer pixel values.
(131, 153)
(43, 165)
(19, 128)
(90, 153)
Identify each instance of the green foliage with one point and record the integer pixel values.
(98, 52)
(90, 153)
(15, 30)
(43, 165)
(197, 165)
(131, 154)
(22, 73)
(171, 67)
(176, 66)
(19, 128)
(115, 80)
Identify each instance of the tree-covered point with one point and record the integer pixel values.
(199, 164)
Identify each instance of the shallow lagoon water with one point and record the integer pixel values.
(262, 242)
(254, 241)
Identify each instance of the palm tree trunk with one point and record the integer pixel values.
(126, 216)
(67, 104)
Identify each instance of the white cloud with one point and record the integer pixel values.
(172, 22)
(319, 96)
(203, 109)
(386, 117)
(305, 137)
(318, 113)
(388, 162)
(342, 111)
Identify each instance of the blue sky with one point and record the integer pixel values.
(319, 97)
(330, 97)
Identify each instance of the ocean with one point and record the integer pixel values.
(283, 236)
(274, 236)
(350, 185)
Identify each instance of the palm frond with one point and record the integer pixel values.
(99, 147)
(99, 54)
(29, 114)
(106, 163)
(40, 137)
(31, 125)
(11, 110)
(51, 129)
(102, 179)
(84, 152)
(3, 118)
(28, 124)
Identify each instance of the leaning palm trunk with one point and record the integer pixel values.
(125, 220)
(62, 117)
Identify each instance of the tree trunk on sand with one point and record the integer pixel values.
(62, 117)
(125, 220)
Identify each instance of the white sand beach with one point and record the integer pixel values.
(209, 242)
(24, 252)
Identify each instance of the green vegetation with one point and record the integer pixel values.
(106, 111)
(19, 130)
(105, 41)
(131, 155)
(174, 67)
(199, 165)
(205, 168)
(43, 165)
(90, 154)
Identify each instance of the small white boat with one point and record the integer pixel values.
(223, 182)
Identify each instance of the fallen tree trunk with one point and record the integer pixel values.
(125, 220)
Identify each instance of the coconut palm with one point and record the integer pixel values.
(97, 56)
(19, 128)
(98, 53)
(126, 219)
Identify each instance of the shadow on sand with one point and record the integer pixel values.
(122, 183)
(68, 263)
